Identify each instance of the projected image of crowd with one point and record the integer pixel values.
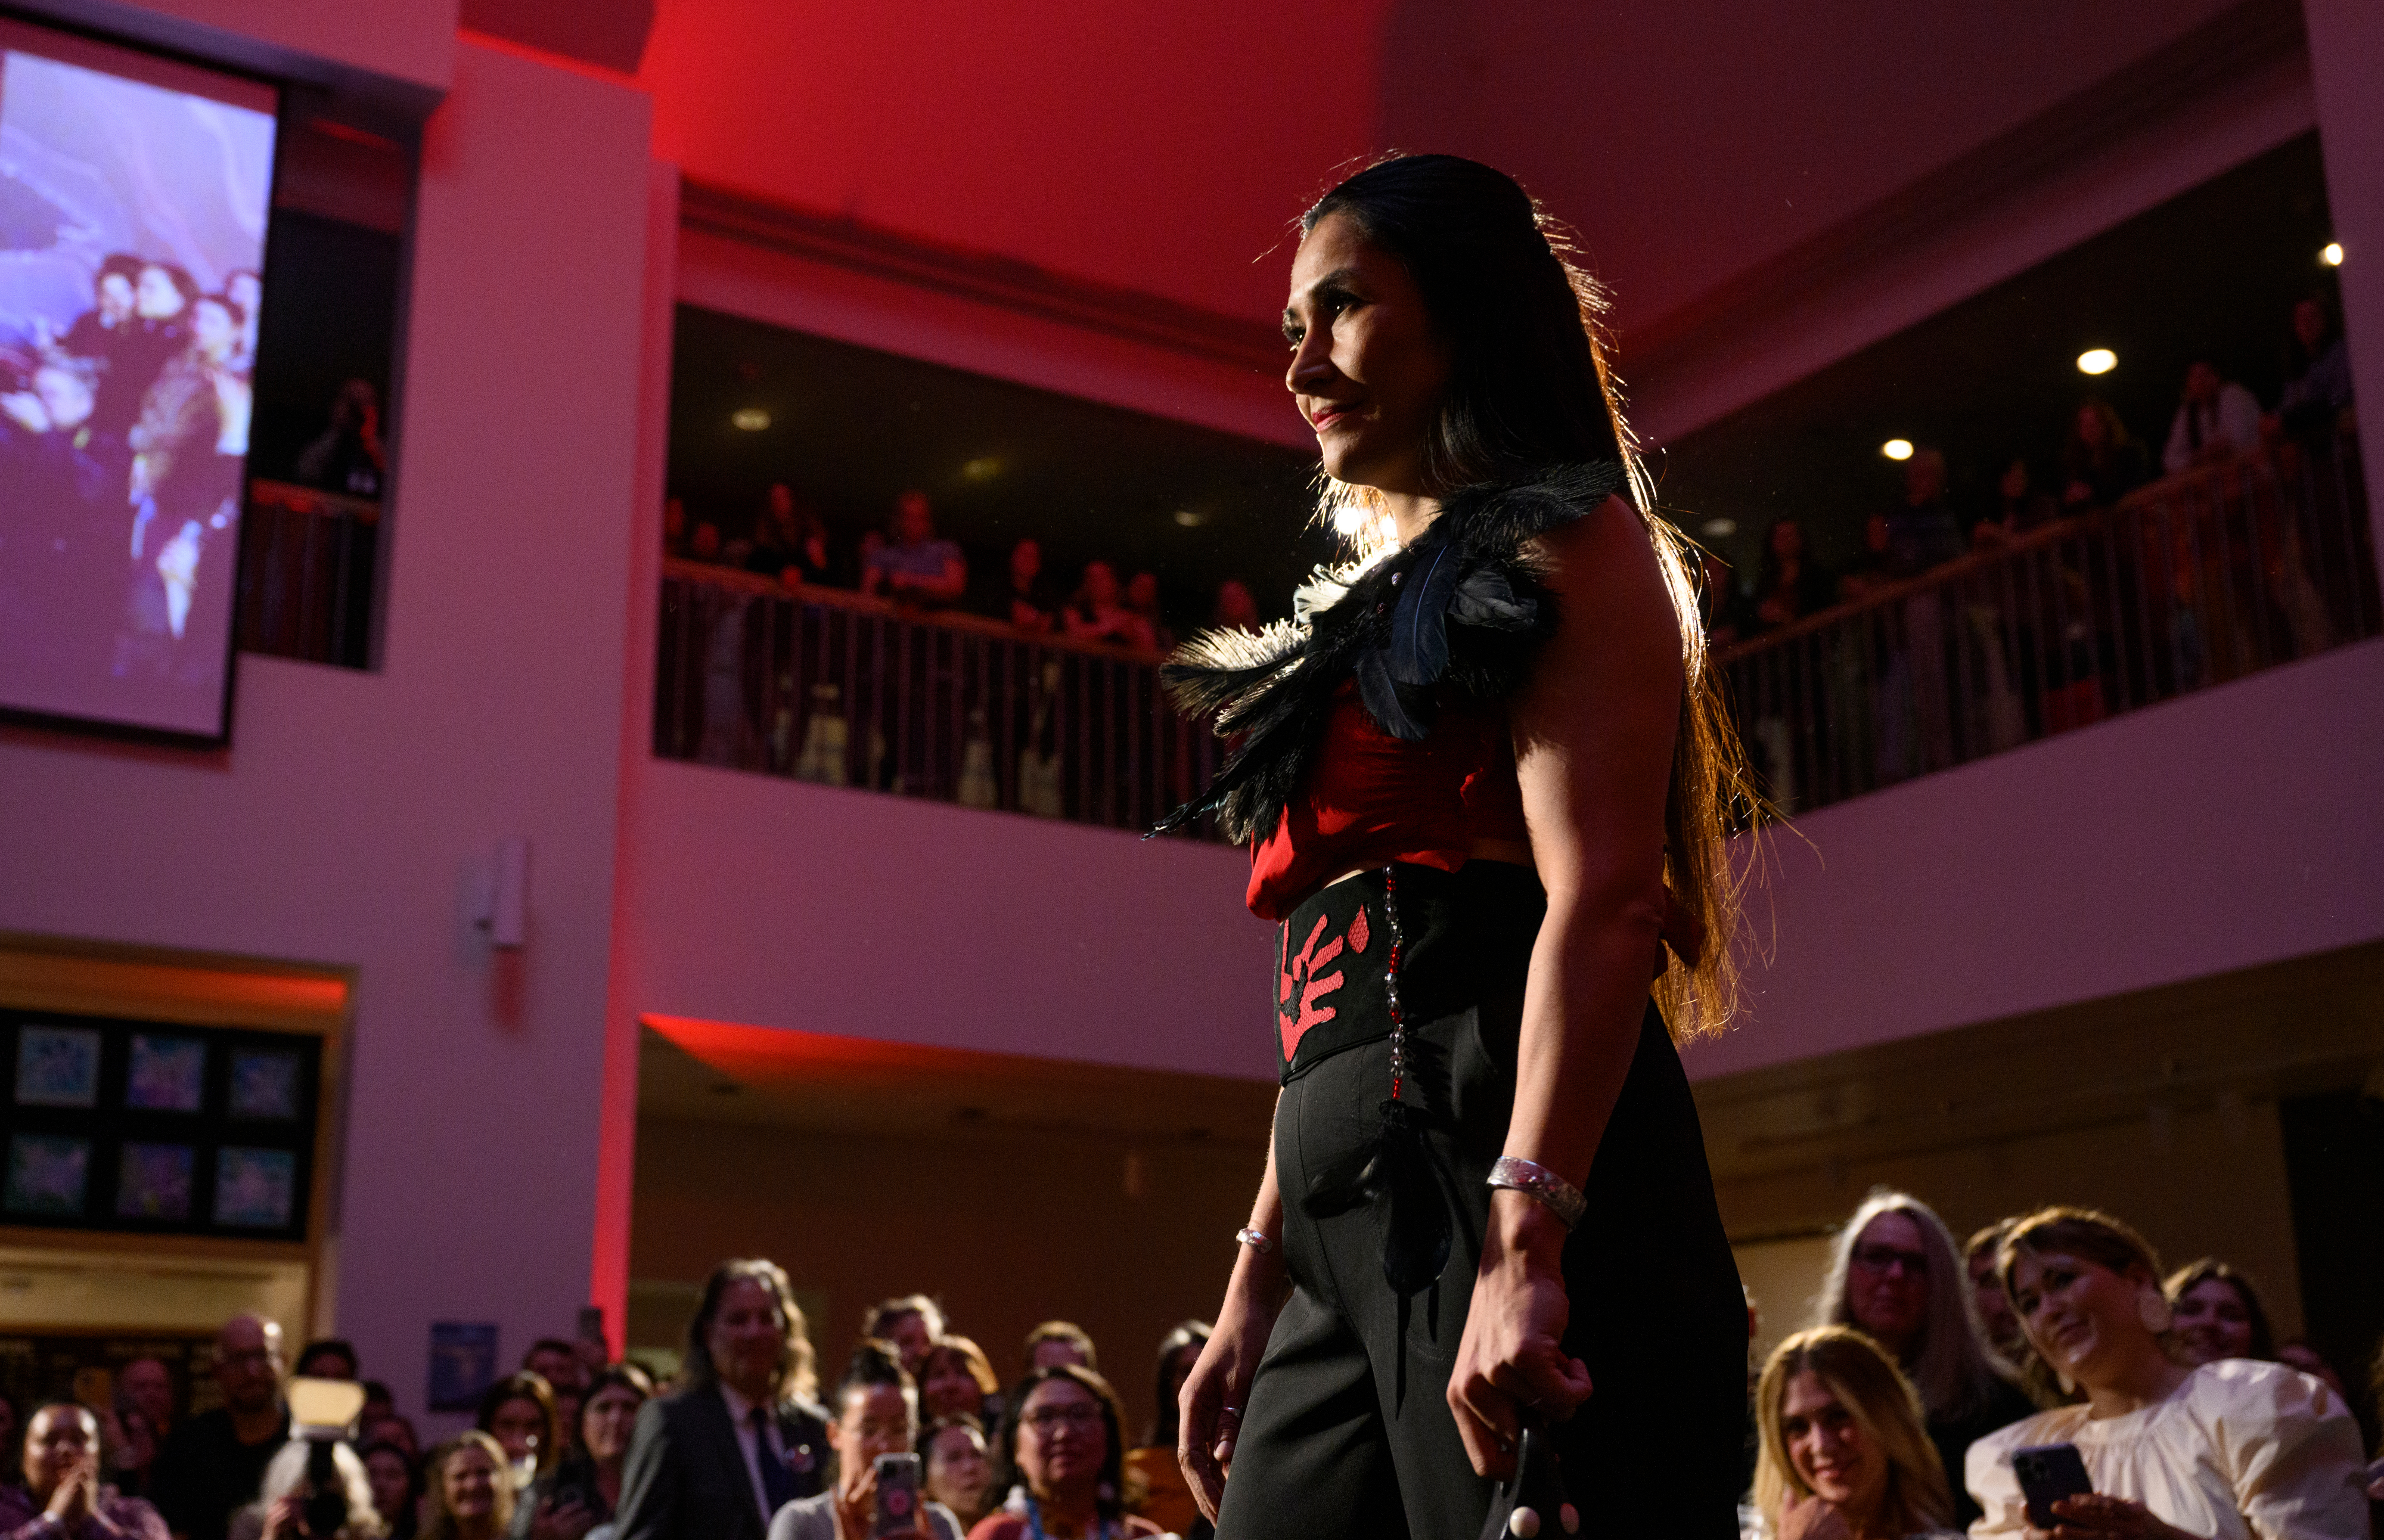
(1925, 1364)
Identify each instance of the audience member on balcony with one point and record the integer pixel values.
(1142, 598)
(1167, 1497)
(911, 1322)
(396, 1486)
(1841, 1453)
(518, 1412)
(1027, 599)
(790, 541)
(1896, 1275)
(1922, 529)
(877, 1414)
(959, 1469)
(1872, 567)
(674, 527)
(2216, 420)
(2317, 392)
(703, 543)
(2218, 1314)
(2232, 1449)
(215, 1464)
(1057, 1342)
(743, 1407)
(470, 1497)
(1996, 1317)
(2102, 463)
(280, 1511)
(1061, 1455)
(2020, 505)
(1789, 585)
(1098, 613)
(583, 1487)
(956, 1379)
(914, 567)
(62, 1497)
(1235, 610)
(347, 456)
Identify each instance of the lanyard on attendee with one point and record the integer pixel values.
(1103, 1529)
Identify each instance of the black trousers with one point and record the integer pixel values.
(1347, 1432)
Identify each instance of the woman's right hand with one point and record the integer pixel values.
(1217, 1389)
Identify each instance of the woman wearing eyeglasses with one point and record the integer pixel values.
(1063, 1460)
(1897, 1276)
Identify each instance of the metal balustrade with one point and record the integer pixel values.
(307, 561)
(2188, 583)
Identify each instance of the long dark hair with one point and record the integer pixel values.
(1110, 1494)
(797, 1369)
(526, 1385)
(1529, 388)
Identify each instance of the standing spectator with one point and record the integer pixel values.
(911, 1324)
(1996, 1317)
(2234, 1449)
(1872, 567)
(347, 456)
(877, 1413)
(1097, 614)
(215, 1464)
(1025, 600)
(280, 1511)
(2318, 375)
(790, 541)
(518, 1412)
(741, 1437)
(957, 1470)
(584, 1488)
(673, 528)
(1789, 585)
(328, 1358)
(567, 1373)
(1921, 531)
(396, 1487)
(1841, 1450)
(2102, 463)
(703, 545)
(143, 1417)
(956, 1379)
(62, 1498)
(2020, 506)
(1061, 1342)
(1896, 1276)
(2216, 420)
(1167, 1500)
(470, 1499)
(1142, 598)
(2218, 1314)
(1236, 610)
(1062, 1454)
(915, 568)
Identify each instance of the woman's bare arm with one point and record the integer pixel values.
(1220, 1380)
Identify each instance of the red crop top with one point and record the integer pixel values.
(1371, 799)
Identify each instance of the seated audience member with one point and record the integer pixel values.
(1026, 601)
(955, 1380)
(470, 1497)
(1789, 585)
(1995, 1315)
(585, 1485)
(1236, 610)
(2233, 1449)
(1921, 530)
(1142, 598)
(958, 1468)
(2100, 463)
(911, 1324)
(280, 1511)
(1842, 1454)
(914, 567)
(1098, 613)
(877, 1413)
(1062, 1457)
(741, 1436)
(2218, 1314)
(2318, 375)
(396, 1487)
(62, 1494)
(565, 1367)
(2216, 420)
(1896, 1276)
(1872, 567)
(2020, 506)
(1061, 1342)
(518, 1412)
(1167, 1499)
(144, 1420)
(329, 1359)
(215, 1464)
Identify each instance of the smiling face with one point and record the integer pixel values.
(60, 1441)
(467, 1482)
(2081, 1317)
(1832, 1453)
(2213, 1322)
(607, 1421)
(1061, 1439)
(157, 296)
(748, 1339)
(385, 1473)
(948, 1389)
(115, 296)
(1887, 1285)
(519, 1427)
(1366, 369)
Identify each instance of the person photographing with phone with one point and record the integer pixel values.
(2231, 1450)
(876, 1495)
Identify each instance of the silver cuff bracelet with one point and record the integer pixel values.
(1537, 1181)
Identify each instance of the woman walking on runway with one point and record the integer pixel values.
(1485, 777)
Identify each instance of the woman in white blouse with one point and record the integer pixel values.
(2233, 1450)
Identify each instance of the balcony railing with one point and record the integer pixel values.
(306, 574)
(2186, 584)
(831, 687)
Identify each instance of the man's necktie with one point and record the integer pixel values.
(777, 1482)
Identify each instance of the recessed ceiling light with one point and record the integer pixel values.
(985, 467)
(1719, 529)
(2097, 361)
(1897, 448)
(752, 419)
(2332, 254)
(1190, 519)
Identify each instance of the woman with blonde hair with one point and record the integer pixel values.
(1843, 1453)
(279, 1512)
(2231, 1450)
(471, 1498)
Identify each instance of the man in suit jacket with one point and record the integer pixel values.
(743, 1437)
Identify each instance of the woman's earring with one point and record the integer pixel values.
(2153, 1310)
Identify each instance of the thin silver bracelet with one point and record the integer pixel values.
(1255, 1239)
(1536, 1180)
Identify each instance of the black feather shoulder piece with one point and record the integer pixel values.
(1462, 610)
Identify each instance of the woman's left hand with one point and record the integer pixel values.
(2097, 1516)
(1511, 1357)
